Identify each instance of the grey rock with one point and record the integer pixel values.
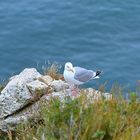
(107, 96)
(46, 79)
(28, 113)
(37, 87)
(61, 95)
(32, 112)
(16, 94)
(92, 94)
(20, 100)
(59, 85)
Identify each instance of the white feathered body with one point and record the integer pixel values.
(69, 77)
(78, 75)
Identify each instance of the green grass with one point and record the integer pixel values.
(1, 87)
(115, 119)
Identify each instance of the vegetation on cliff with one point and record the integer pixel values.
(80, 119)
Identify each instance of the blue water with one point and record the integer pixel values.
(90, 33)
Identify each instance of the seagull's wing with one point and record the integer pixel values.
(83, 75)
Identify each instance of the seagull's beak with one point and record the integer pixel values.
(71, 70)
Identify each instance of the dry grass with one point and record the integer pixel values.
(54, 71)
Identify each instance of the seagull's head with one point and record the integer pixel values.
(69, 67)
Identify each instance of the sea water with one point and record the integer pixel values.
(93, 34)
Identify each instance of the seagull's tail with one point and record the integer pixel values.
(98, 72)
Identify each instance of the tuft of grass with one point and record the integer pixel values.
(53, 70)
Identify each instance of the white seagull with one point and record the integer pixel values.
(76, 76)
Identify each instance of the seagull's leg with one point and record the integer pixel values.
(77, 87)
(71, 87)
(75, 90)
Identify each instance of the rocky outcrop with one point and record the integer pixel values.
(59, 85)
(22, 116)
(16, 94)
(20, 99)
(46, 79)
(37, 89)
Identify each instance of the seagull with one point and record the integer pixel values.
(76, 76)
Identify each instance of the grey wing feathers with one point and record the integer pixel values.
(83, 75)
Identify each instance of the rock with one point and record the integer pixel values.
(46, 79)
(59, 85)
(31, 112)
(107, 96)
(59, 94)
(11, 78)
(92, 94)
(20, 100)
(16, 94)
(37, 89)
